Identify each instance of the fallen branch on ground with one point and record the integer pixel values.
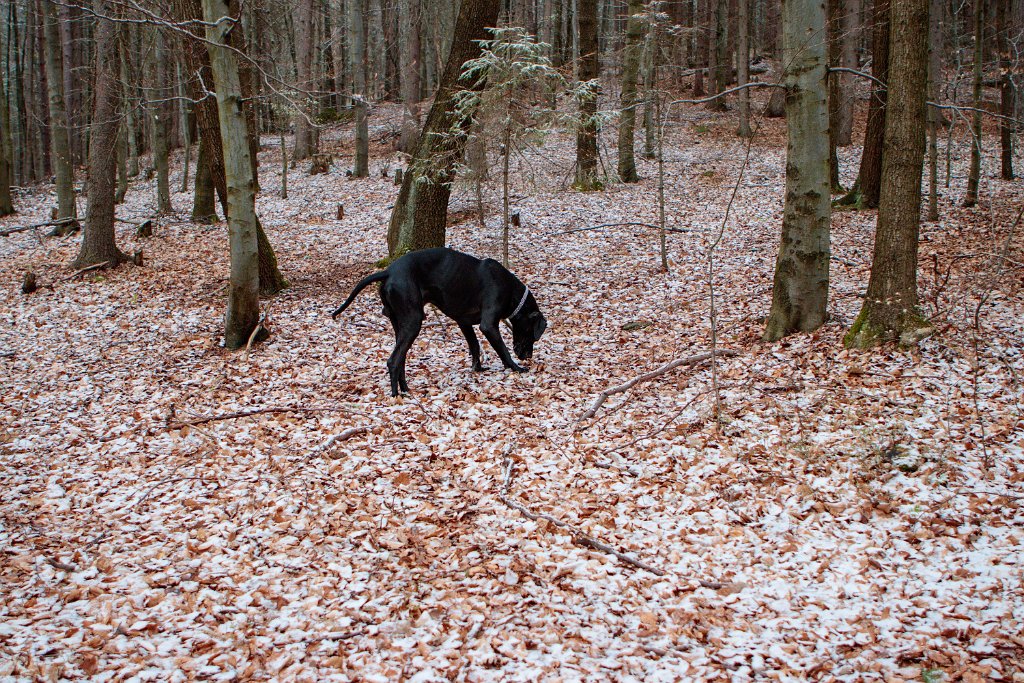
(667, 367)
(250, 413)
(612, 225)
(44, 224)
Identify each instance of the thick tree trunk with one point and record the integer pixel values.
(800, 293)
(98, 241)
(60, 145)
(974, 174)
(243, 310)
(628, 100)
(304, 67)
(420, 214)
(357, 66)
(890, 307)
(589, 69)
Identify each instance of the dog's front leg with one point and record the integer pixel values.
(493, 334)
(474, 345)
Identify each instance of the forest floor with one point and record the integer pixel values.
(846, 516)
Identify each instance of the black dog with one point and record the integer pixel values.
(464, 288)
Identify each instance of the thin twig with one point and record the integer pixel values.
(612, 225)
(667, 367)
(250, 413)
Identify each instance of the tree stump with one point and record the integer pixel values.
(384, 173)
(398, 176)
(145, 229)
(341, 211)
(319, 163)
(29, 285)
(515, 218)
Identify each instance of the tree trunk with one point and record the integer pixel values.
(304, 67)
(869, 179)
(834, 8)
(60, 144)
(357, 64)
(935, 117)
(420, 214)
(243, 311)
(6, 202)
(207, 118)
(800, 293)
(974, 174)
(1006, 91)
(589, 69)
(159, 121)
(410, 69)
(743, 66)
(890, 307)
(720, 50)
(628, 99)
(204, 208)
(849, 24)
(98, 241)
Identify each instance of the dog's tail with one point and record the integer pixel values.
(363, 284)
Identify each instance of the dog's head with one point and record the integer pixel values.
(527, 327)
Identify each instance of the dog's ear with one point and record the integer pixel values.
(539, 324)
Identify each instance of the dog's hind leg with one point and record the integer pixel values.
(405, 334)
(474, 345)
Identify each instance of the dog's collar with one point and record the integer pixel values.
(526, 293)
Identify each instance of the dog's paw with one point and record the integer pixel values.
(519, 368)
(477, 367)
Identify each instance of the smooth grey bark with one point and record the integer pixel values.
(800, 292)
(357, 66)
(934, 115)
(304, 68)
(60, 145)
(98, 240)
(890, 306)
(628, 100)
(243, 310)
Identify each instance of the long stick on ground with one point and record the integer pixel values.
(250, 413)
(667, 367)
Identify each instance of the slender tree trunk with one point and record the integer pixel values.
(869, 179)
(800, 293)
(935, 117)
(890, 307)
(159, 120)
(974, 174)
(849, 24)
(60, 144)
(651, 96)
(98, 241)
(304, 66)
(419, 218)
(834, 8)
(243, 311)
(743, 65)
(720, 50)
(410, 69)
(357, 40)
(204, 208)
(6, 201)
(1006, 91)
(629, 101)
(589, 69)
